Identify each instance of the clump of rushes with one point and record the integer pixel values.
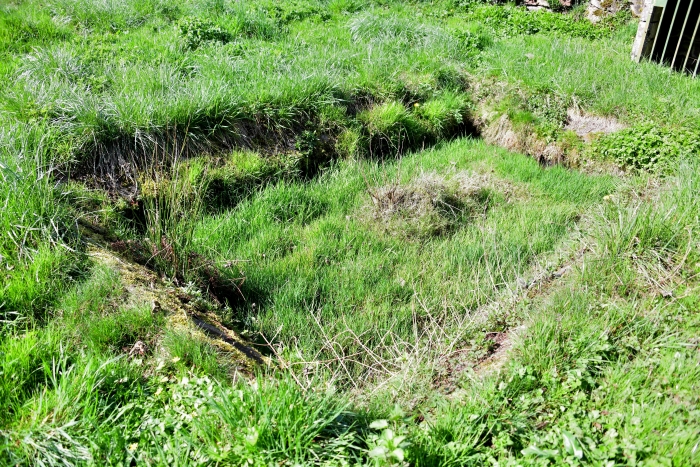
(173, 202)
(391, 128)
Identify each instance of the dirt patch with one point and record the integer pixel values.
(503, 133)
(487, 358)
(498, 355)
(587, 126)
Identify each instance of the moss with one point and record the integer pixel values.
(182, 312)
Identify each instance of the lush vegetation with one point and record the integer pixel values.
(310, 175)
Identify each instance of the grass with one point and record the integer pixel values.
(598, 392)
(599, 82)
(310, 174)
(36, 233)
(317, 270)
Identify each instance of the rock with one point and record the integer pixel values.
(555, 5)
(597, 9)
(138, 349)
(636, 7)
(156, 307)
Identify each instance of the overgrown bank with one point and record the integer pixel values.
(298, 172)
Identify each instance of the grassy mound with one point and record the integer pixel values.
(430, 206)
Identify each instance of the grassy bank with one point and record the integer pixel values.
(270, 233)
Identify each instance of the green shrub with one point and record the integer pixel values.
(549, 107)
(349, 143)
(196, 31)
(245, 21)
(267, 423)
(648, 146)
(113, 15)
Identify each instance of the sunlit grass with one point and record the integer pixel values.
(300, 170)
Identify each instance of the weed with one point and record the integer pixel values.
(648, 147)
(196, 32)
(444, 114)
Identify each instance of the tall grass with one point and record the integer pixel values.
(601, 81)
(37, 234)
(108, 86)
(173, 203)
(620, 325)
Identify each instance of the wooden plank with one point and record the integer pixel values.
(692, 41)
(680, 40)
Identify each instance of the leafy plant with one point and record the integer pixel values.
(388, 444)
(648, 146)
(197, 31)
(512, 21)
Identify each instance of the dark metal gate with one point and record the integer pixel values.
(669, 33)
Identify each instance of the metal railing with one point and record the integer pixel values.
(669, 33)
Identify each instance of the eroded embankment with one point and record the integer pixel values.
(184, 312)
(183, 171)
(307, 138)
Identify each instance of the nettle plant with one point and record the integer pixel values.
(388, 443)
